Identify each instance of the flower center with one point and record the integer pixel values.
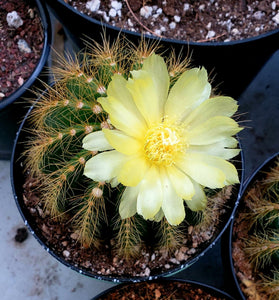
(162, 143)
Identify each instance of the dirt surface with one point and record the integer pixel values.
(61, 238)
(190, 20)
(21, 43)
(161, 291)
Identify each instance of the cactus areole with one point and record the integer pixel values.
(131, 152)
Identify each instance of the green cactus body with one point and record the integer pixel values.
(262, 217)
(62, 117)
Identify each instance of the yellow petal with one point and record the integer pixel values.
(220, 149)
(150, 87)
(159, 216)
(132, 171)
(128, 202)
(157, 68)
(210, 171)
(122, 142)
(213, 131)
(218, 106)
(181, 183)
(96, 141)
(122, 111)
(172, 204)
(190, 90)
(199, 200)
(150, 194)
(104, 166)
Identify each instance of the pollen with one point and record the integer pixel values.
(163, 143)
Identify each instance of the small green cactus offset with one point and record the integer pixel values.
(259, 230)
(126, 143)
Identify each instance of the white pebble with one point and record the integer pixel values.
(93, 5)
(273, 5)
(208, 26)
(186, 6)
(116, 5)
(257, 29)
(210, 34)
(2, 95)
(23, 46)
(20, 81)
(14, 20)
(159, 11)
(202, 7)
(177, 19)
(130, 23)
(66, 253)
(276, 18)
(157, 31)
(146, 11)
(112, 12)
(172, 25)
(258, 15)
(235, 31)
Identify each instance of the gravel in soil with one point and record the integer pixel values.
(191, 20)
(21, 43)
(62, 239)
(161, 291)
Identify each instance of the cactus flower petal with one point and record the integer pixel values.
(149, 88)
(198, 202)
(190, 90)
(220, 149)
(213, 107)
(132, 171)
(207, 170)
(172, 204)
(182, 184)
(150, 195)
(128, 202)
(96, 141)
(122, 142)
(104, 166)
(212, 131)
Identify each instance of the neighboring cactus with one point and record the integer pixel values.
(259, 234)
(67, 112)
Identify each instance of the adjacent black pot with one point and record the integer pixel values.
(46, 24)
(228, 238)
(234, 64)
(186, 285)
(18, 180)
(14, 107)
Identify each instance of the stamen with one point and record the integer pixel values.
(162, 143)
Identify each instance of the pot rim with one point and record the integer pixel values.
(246, 185)
(46, 25)
(168, 40)
(18, 198)
(197, 284)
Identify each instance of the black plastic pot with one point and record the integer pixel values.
(18, 180)
(46, 24)
(14, 107)
(227, 239)
(214, 292)
(234, 64)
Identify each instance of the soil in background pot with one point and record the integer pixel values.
(21, 43)
(198, 21)
(163, 290)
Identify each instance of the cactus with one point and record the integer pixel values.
(260, 239)
(67, 112)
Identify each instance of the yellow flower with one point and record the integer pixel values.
(167, 144)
